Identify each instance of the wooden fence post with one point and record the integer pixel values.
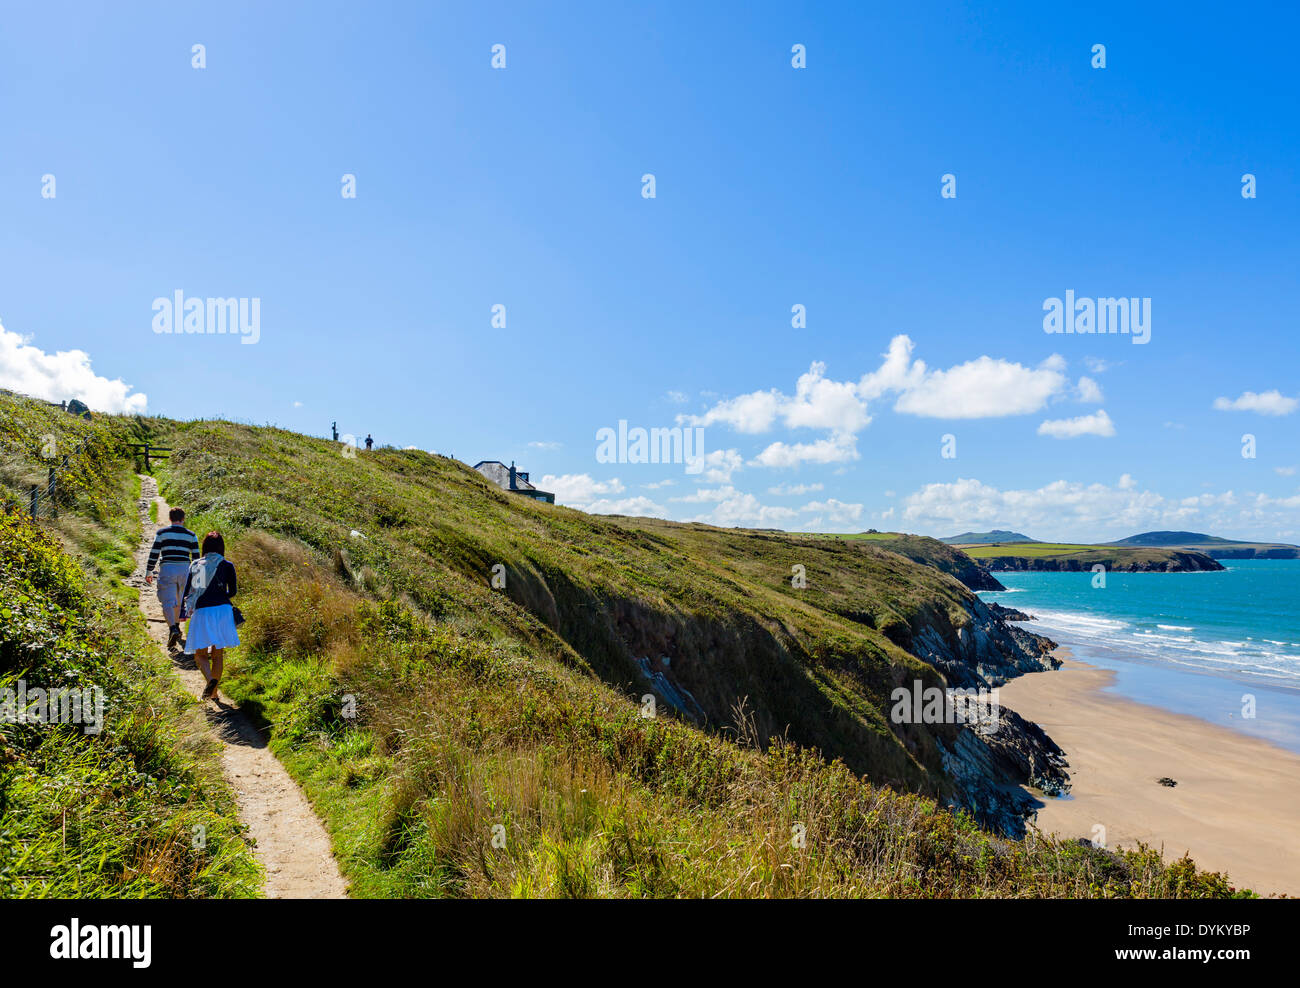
(54, 504)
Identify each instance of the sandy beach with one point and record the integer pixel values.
(1236, 807)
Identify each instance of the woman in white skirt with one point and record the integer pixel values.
(209, 589)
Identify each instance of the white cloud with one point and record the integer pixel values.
(677, 397)
(983, 388)
(818, 403)
(297, 404)
(1267, 403)
(1096, 424)
(836, 449)
(746, 511)
(1089, 391)
(734, 508)
(545, 445)
(980, 388)
(896, 373)
(666, 482)
(822, 404)
(1071, 510)
(1126, 482)
(639, 506)
(578, 488)
(796, 489)
(751, 413)
(705, 495)
(838, 511)
(1285, 471)
(719, 465)
(62, 376)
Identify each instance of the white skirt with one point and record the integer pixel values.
(212, 627)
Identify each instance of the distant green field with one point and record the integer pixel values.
(1074, 556)
(1031, 549)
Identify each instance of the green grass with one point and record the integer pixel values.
(465, 741)
(518, 708)
(1112, 557)
(139, 809)
(860, 536)
(1035, 550)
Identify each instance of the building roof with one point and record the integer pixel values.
(499, 474)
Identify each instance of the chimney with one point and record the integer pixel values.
(512, 475)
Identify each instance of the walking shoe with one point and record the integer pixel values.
(174, 636)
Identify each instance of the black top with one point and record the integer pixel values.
(219, 591)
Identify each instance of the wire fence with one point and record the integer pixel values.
(41, 500)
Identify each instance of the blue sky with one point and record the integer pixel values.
(774, 186)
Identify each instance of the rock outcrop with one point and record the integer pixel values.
(990, 765)
(1171, 562)
(985, 650)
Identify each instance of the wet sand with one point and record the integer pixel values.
(1236, 807)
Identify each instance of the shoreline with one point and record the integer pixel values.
(1236, 804)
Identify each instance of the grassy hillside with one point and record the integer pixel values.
(1213, 546)
(984, 538)
(927, 551)
(139, 808)
(465, 740)
(519, 708)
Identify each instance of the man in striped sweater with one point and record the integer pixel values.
(174, 547)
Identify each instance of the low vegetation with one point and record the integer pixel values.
(133, 806)
(461, 739)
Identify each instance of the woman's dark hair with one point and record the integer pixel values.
(213, 542)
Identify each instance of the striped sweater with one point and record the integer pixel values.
(173, 544)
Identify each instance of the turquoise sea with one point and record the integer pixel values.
(1194, 643)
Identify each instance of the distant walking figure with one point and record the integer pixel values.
(369, 442)
(175, 546)
(208, 592)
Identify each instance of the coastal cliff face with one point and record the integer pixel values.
(1275, 552)
(752, 636)
(983, 651)
(945, 558)
(819, 676)
(1172, 562)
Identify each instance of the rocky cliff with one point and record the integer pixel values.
(1168, 561)
(991, 765)
(945, 558)
(1248, 552)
